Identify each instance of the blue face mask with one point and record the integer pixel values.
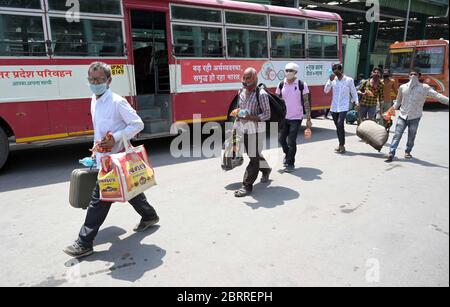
(98, 89)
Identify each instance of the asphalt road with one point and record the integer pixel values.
(338, 220)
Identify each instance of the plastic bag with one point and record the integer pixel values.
(125, 175)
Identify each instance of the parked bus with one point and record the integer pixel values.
(429, 56)
(170, 59)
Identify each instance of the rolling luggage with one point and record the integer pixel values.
(82, 183)
(372, 133)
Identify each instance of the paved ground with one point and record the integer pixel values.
(349, 220)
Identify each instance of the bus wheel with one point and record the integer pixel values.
(4, 148)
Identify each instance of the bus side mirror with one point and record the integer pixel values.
(48, 43)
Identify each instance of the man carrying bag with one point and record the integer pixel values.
(113, 119)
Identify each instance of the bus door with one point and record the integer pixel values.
(151, 64)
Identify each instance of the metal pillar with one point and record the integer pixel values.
(407, 21)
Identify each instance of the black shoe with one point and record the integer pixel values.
(78, 251)
(289, 169)
(266, 176)
(389, 158)
(242, 192)
(144, 225)
(285, 162)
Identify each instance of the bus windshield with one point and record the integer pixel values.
(401, 60)
(430, 60)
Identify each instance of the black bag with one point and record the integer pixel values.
(277, 106)
(82, 184)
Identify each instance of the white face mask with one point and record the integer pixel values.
(414, 80)
(290, 75)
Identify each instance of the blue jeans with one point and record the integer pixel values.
(367, 112)
(402, 124)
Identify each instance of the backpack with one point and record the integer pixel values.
(277, 105)
(301, 87)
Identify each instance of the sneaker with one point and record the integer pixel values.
(389, 158)
(144, 225)
(408, 155)
(285, 164)
(78, 251)
(289, 169)
(266, 176)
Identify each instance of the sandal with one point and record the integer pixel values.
(242, 192)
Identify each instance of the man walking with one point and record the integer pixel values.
(296, 95)
(410, 100)
(390, 92)
(372, 96)
(251, 122)
(344, 90)
(110, 114)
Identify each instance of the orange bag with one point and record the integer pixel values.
(308, 133)
(125, 175)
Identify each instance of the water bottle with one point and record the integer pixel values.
(243, 113)
(88, 162)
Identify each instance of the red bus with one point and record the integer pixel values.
(429, 56)
(170, 59)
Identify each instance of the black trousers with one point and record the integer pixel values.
(339, 121)
(253, 144)
(98, 211)
(288, 139)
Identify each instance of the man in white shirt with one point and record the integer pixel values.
(411, 98)
(111, 113)
(343, 90)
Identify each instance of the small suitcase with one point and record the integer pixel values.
(372, 133)
(82, 183)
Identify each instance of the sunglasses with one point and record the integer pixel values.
(413, 74)
(290, 70)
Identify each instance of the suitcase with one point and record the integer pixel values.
(82, 183)
(373, 134)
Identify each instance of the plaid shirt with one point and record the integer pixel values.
(378, 94)
(262, 110)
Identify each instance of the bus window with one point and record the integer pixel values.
(196, 41)
(287, 22)
(400, 60)
(196, 14)
(322, 46)
(246, 19)
(21, 35)
(319, 25)
(87, 38)
(21, 4)
(247, 43)
(109, 7)
(288, 45)
(430, 60)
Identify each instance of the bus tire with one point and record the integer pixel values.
(4, 147)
